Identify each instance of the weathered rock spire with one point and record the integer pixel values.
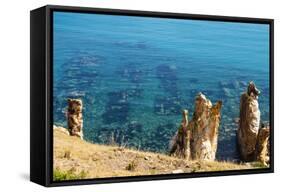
(74, 117)
(204, 128)
(197, 139)
(253, 139)
(180, 145)
(249, 123)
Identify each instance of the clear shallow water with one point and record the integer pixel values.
(136, 74)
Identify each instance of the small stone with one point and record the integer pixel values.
(177, 171)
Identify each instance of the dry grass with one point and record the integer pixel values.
(95, 161)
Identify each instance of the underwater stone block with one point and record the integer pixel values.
(166, 72)
(228, 93)
(159, 138)
(74, 117)
(193, 80)
(249, 122)
(131, 72)
(134, 92)
(117, 108)
(116, 113)
(234, 84)
(134, 128)
(167, 105)
(116, 97)
(168, 78)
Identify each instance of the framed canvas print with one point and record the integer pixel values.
(122, 95)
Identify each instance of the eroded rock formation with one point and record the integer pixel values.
(197, 140)
(249, 123)
(204, 128)
(180, 144)
(261, 151)
(74, 117)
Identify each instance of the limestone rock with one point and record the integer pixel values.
(180, 145)
(74, 117)
(249, 123)
(262, 151)
(204, 128)
(197, 140)
(61, 129)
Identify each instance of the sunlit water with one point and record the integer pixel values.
(136, 74)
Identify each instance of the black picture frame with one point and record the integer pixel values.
(41, 132)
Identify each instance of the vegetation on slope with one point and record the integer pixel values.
(78, 159)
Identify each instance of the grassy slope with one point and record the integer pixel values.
(86, 160)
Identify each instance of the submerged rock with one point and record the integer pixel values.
(234, 84)
(180, 144)
(169, 105)
(228, 92)
(193, 80)
(204, 128)
(249, 122)
(159, 139)
(117, 107)
(74, 117)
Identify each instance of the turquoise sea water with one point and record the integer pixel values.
(136, 74)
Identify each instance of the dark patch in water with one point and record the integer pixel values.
(82, 72)
(167, 105)
(193, 80)
(160, 137)
(131, 72)
(227, 149)
(134, 92)
(117, 108)
(171, 103)
(131, 45)
(166, 72)
(168, 78)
